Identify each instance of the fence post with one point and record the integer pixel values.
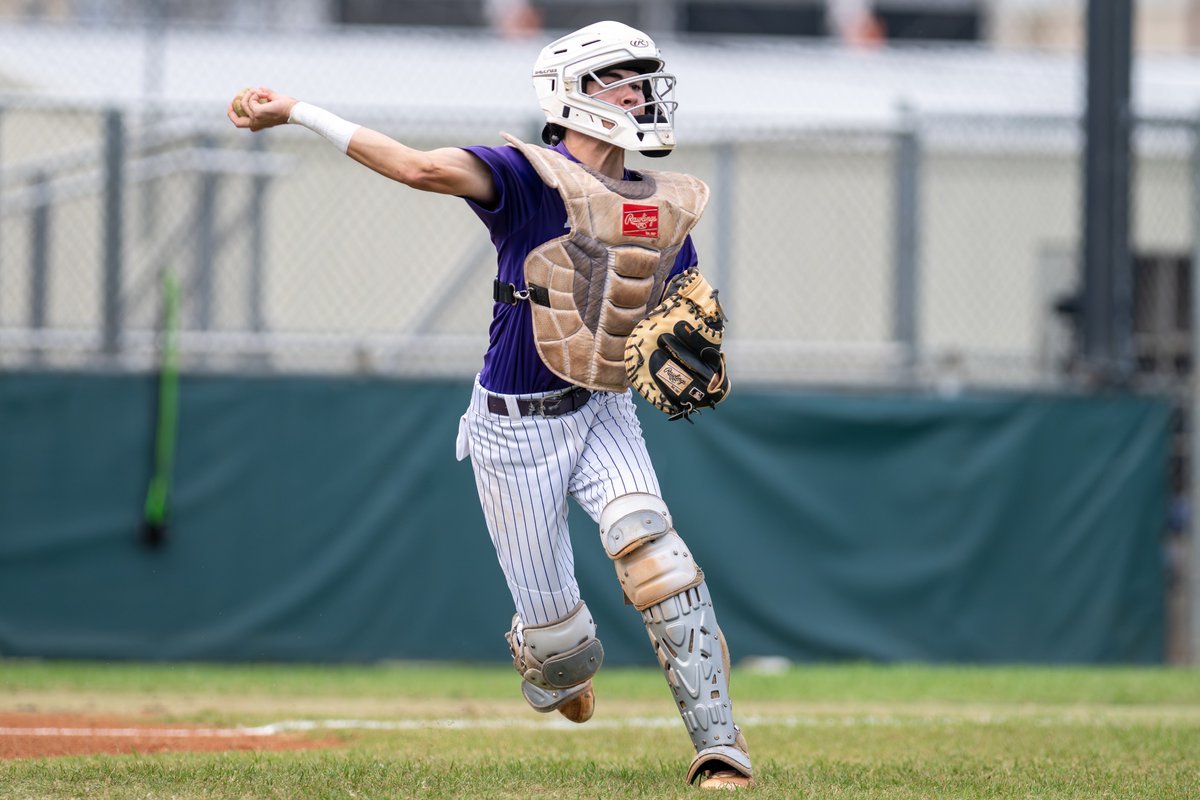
(114, 169)
(720, 272)
(206, 243)
(1107, 260)
(257, 249)
(906, 212)
(39, 265)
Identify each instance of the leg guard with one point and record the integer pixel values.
(663, 582)
(544, 701)
(557, 660)
(652, 561)
(691, 650)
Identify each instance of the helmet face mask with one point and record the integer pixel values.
(572, 72)
(652, 116)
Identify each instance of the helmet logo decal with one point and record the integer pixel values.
(639, 220)
(639, 43)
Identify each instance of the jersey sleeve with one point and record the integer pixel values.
(515, 182)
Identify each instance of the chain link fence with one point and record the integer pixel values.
(906, 217)
(922, 244)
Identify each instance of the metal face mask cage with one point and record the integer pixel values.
(655, 114)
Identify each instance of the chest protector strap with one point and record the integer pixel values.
(597, 281)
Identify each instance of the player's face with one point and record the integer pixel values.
(624, 95)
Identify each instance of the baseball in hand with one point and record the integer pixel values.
(237, 102)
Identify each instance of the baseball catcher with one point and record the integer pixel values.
(596, 289)
(673, 357)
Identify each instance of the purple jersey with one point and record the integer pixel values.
(528, 213)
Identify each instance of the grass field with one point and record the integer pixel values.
(853, 731)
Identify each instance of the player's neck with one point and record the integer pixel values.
(603, 157)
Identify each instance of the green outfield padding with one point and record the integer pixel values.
(326, 519)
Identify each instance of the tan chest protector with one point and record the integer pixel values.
(591, 286)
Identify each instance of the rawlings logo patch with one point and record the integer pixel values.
(673, 376)
(637, 220)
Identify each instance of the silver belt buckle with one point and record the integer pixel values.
(551, 402)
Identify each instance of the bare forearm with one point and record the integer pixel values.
(445, 171)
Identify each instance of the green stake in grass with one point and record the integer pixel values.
(154, 522)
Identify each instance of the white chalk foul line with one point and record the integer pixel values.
(464, 724)
(803, 721)
(303, 725)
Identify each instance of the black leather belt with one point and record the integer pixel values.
(554, 405)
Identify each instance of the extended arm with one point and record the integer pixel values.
(447, 170)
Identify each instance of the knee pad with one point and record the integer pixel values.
(632, 520)
(559, 654)
(651, 559)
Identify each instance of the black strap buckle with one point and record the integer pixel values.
(507, 293)
(510, 295)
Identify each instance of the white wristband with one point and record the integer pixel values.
(330, 125)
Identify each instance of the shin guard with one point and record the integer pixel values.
(691, 651)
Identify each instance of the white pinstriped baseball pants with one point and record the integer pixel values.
(525, 468)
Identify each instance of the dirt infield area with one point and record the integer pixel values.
(37, 735)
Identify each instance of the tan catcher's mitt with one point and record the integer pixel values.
(673, 357)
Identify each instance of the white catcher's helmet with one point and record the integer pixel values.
(563, 66)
